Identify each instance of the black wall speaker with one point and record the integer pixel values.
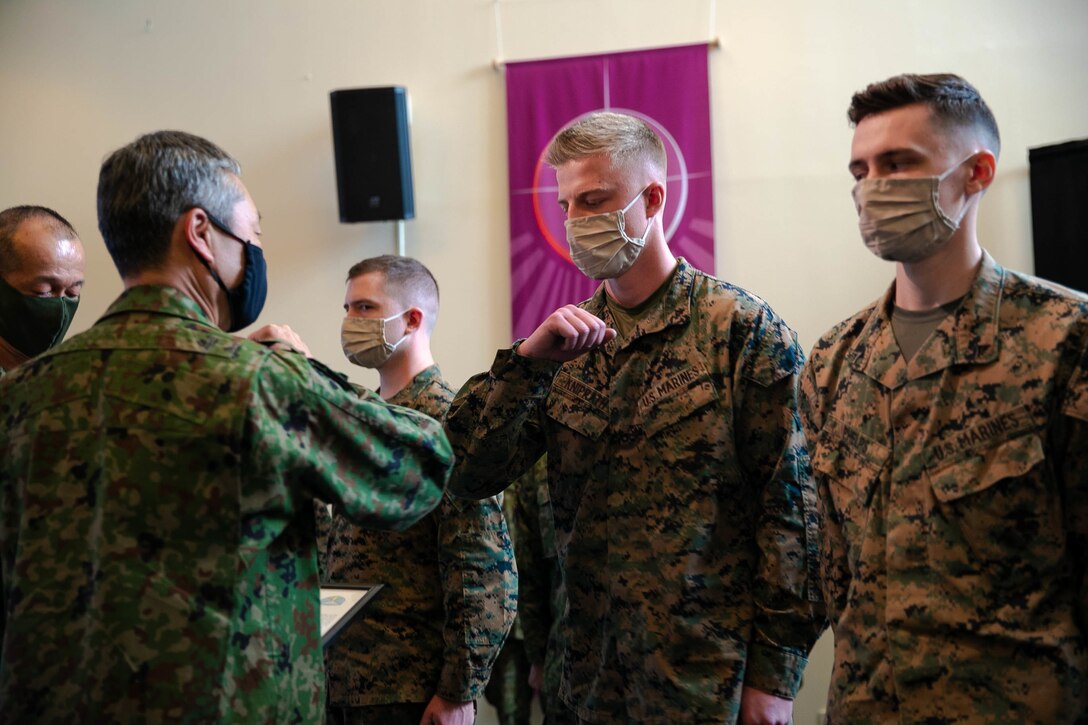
(1059, 212)
(373, 160)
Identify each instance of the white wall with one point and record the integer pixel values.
(79, 79)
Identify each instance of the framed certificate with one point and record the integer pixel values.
(339, 604)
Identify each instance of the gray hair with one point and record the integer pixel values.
(625, 139)
(144, 187)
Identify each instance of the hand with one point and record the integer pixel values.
(445, 712)
(566, 334)
(536, 677)
(762, 708)
(280, 337)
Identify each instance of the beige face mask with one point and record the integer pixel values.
(363, 340)
(600, 246)
(901, 220)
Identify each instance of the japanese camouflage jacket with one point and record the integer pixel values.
(954, 499)
(156, 521)
(684, 511)
(449, 599)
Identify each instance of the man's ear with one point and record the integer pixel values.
(655, 198)
(195, 228)
(983, 166)
(415, 319)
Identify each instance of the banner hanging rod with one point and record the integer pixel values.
(498, 63)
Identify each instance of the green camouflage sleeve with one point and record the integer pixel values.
(534, 563)
(383, 466)
(492, 424)
(323, 528)
(771, 446)
(479, 585)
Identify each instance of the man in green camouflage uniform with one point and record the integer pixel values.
(157, 475)
(667, 407)
(41, 278)
(948, 424)
(424, 649)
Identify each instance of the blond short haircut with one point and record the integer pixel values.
(625, 139)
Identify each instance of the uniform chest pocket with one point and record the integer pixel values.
(575, 405)
(997, 511)
(977, 470)
(850, 463)
(658, 412)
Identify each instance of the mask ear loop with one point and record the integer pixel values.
(639, 241)
(393, 345)
(637, 197)
(955, 223)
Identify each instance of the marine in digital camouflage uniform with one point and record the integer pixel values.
(426, 645)
(157, 475)
(508, 691)
(952, 470)
(685, 519)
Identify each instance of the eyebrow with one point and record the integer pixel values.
(48, 278)
(890, 153)
(886, 156)
(595, 190)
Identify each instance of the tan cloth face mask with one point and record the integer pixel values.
(600, 246)
(363, 340)
(901, 220)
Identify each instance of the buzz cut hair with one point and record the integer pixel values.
(624, 139)
(954, 103)
(10, 221)
(406, 280)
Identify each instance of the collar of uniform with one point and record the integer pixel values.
(412, 390)
(877, 353)
(967, 336)
(158, 300)
(674, 308)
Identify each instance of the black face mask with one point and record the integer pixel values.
(247, 299)
(32, 325)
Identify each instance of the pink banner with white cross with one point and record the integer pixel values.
(666, 87)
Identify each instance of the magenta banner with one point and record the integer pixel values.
(667, 88)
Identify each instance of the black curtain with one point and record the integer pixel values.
(1059, 212)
